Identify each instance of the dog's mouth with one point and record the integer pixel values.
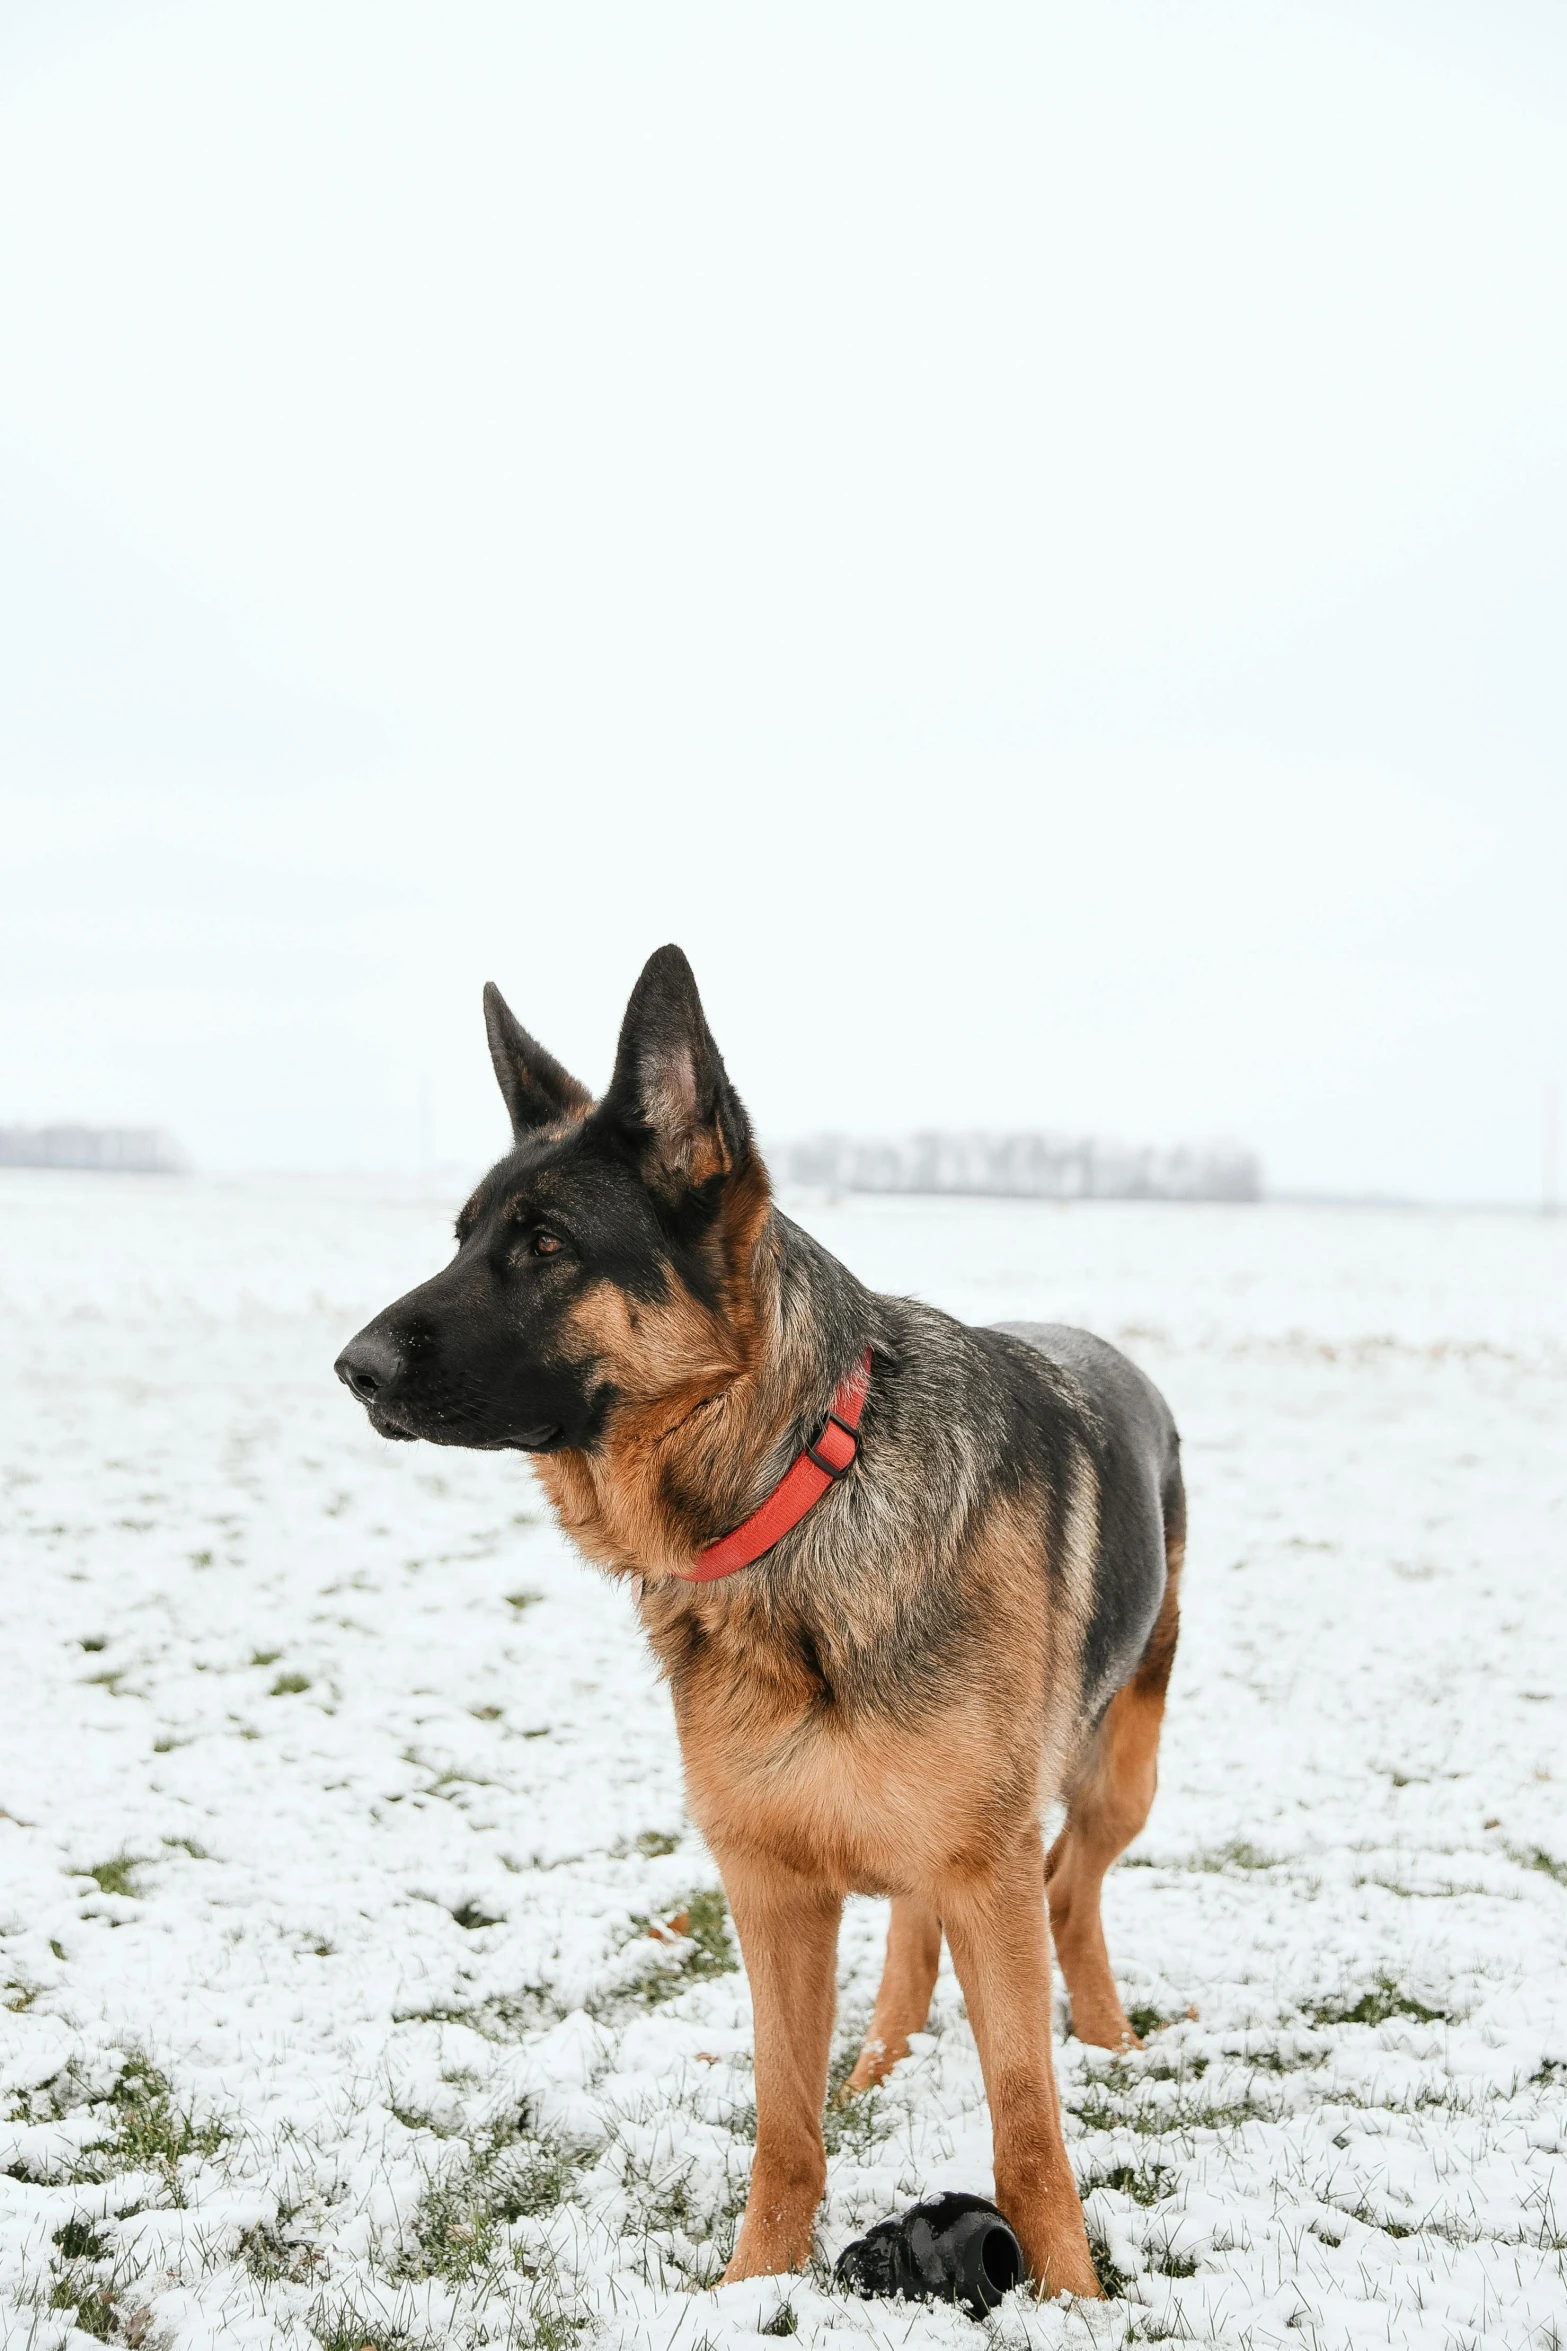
(545, 1438)
(384, 1426)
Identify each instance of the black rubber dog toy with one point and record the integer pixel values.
(951, 2248)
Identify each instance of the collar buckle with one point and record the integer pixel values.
(848, 1457)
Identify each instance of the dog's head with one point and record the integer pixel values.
(603, 1263)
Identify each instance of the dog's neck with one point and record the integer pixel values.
(676, 1470)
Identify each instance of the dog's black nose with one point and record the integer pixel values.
(368, 1364)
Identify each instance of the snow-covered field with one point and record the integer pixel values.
(341, 1811)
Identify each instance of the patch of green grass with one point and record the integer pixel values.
(1145, 2183)
(707, 1924)
(344, 2329)
(1371, 2219)
(264, 2254)
(470, 1916)
(116, 1876)
(665, 2199)
(188, 1845)
(150, 2133)
(552, 2328)
(1097, 2110)
(505, 2178)
(784, 2321)
(274, 2258)
(522, 1600)
(94, 1643)
(1113, 2280)
(852, 2121)
(1126, 2104)
(90, 2304)
(1144, 2021)
(505, 2018)
(1236, 1855)
(1545, 1864)
(653, 1844)
(702, 1922)
(486, 1713)
(289, 1685)
(1386, 1998)
(532, 2177)
(1171, 2265)
(415, 2118)
(1275, 2060)
(855, 2125)
(453, 1778)
(1161, 2067)
(78, 2241)
(665, 2204)
(265, 1656)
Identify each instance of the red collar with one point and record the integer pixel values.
(800, 1488)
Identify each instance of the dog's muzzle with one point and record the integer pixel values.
(371, 1367)
(368, 1367)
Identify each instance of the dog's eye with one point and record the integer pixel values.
(545, 1244)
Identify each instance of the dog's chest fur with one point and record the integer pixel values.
(807, 1737)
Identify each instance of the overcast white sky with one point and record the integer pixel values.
(1029, 538)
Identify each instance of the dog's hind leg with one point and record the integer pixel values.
(1107, 1804)
(908, 1979)
(788, 1930)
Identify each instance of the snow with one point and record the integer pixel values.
(333, 1705)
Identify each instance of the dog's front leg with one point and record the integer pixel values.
(995, 1924)
(788, 1931)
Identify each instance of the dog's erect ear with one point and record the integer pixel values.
(536, 1090)
(669, 1091)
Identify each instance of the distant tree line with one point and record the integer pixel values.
(106, 1150)
(1021, 1167)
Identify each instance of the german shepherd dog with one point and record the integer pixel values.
(977, 1617)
